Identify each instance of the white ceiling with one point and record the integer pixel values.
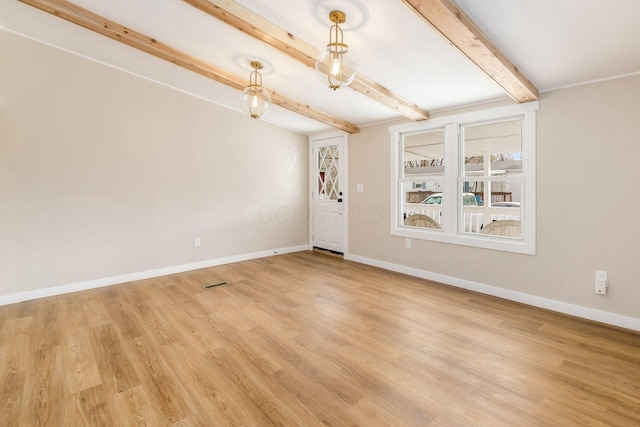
(554, 43)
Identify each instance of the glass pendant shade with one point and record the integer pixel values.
(335, 67)
(255, 99)
(334, 64)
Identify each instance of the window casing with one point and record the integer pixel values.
(465, 172)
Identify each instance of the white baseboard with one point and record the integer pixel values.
(559, 306)
(108, 281)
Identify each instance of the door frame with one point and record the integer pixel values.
(344, 183)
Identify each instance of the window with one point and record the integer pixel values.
(467, 179)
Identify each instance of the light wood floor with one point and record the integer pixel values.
(307, 339)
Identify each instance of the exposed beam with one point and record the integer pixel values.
(455, 26)
(94, 22)
(256, 26)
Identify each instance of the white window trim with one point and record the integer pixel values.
(451, 124)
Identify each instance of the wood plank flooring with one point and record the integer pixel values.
(307, 339)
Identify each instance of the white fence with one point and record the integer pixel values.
(473, 215)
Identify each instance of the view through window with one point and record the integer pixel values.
(468, 179)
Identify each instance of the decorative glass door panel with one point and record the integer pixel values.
(328, 172)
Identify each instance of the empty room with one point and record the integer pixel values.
(319, 213)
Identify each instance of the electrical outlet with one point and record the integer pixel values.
(407, 243)
(602, 282)
(196, 242)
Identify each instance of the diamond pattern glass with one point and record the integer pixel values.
(328, 182)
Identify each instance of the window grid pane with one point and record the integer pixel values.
(421, 180)
(501, 207)
(492, 159)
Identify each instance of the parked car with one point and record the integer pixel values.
(468, 199)
(505, 205)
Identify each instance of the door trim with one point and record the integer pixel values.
(344, 184)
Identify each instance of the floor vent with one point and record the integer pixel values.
(213, 285)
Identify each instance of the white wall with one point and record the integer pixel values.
(104, 174)
(588, 152)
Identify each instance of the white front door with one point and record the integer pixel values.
(328, 208)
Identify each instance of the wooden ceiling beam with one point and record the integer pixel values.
(455, 26)
(245, 20)
(94, 22)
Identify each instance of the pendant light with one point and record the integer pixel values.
(255, 99)
(334, 63)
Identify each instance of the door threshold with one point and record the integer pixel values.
(328, 252)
